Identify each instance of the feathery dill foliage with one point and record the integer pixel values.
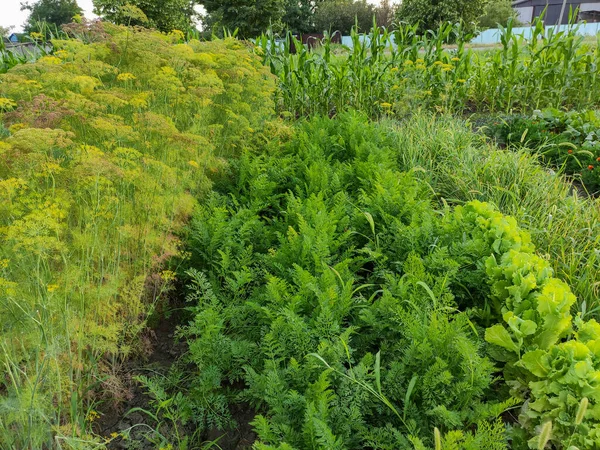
(105, 145)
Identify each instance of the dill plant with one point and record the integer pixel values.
(108, 143)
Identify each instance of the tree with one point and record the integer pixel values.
(497, 12)
(384, 14)
(164, 15)
(298, 16)
(55, 12)
(249, 17)
(5, 31)
(341, 15)
(431, 13)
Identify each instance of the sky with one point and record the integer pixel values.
(11, 14)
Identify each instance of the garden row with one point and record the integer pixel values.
(334, 295)
(394, 73)
(567, 141)
(105, 147)
(346, 279)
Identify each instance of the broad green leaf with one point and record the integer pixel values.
(498, 335)
(534, 362)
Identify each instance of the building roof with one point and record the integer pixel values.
(516, 3)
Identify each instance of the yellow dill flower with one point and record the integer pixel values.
(92, 415)
(461, 80)
(16, 126)
(438, 63)
(126, 76)
(177, 34)
(420, 67)
(194, 164)
(408, 62)
(455, 59)
(32, 84)
(386, 105)
(36, 35)
(52, 288)
(167, 275)
(420, 61)
(6, 104)
(394, 69)
(446, 69)
(168, 71)
(62, 54)
(50, 60)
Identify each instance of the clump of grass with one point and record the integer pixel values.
(460, 166)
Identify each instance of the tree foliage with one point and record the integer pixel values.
(497, 12)
(56, 12)
(298, 15)
(164, 15)
(384, 13)
(431, 13)
(249, 17)
(342, 15)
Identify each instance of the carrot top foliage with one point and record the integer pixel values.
(330, 294)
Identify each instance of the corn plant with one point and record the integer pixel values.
(393, 73)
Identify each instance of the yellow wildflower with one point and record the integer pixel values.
(194, 164)
(420, 67)
(438, 63)
(394, 69)
(35, 35)
(408, 62)
(455, 59)
(420, 61)
(461, 80)
(386, 105)
(52, 288)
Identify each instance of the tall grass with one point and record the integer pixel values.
(392, 73)
(460, 166)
